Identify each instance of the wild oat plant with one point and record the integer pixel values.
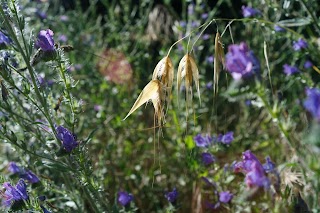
(235, 120)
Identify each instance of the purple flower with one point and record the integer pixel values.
(42, 15)
(44, 209)
(210, 59)
(29, 176)
(209, 85)
(64, 18)
(195, 24)
(171, 196)
(204, 16)
(312, 102)
(290, 70)
(183, 24)
(97, 107)
(67, 138)
(225, 197)
(277, 28)
(13, 168)
(207, 158)
(269, 166)
(202, 141)
(12, 194)
(45, 40)
(62, 38)
(248, 102)
(308, 64)
(225, 139)
(256, 176)
(300, 44)
(241, 62)
(124, 198)
(4, 40)
(253, 169)
(190, 9)
(250, 12)
(205, 36)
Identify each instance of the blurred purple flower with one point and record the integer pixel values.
(44, 209)
(204, 16)
(207, 158)
(4, 40)
(45, 40)
(67, 138)
(290, 70)
(248, 102)
(29, 176)
(300, 44)
(225, 139)
(64, 18)
(241, 62)
(209, 85)
(249, 11)
(190, 9)
(183, 24)
(277, 28)
(269, 166)
(202, 141)
(62, 38)
(12, 194)
(205, 36)
(210, 59)
(308, 64)
(171, 196)
(195, 24)
(14, 168)
(312, 102)
(42, 15)
(225, 197)
(124, 198)
(97, 107)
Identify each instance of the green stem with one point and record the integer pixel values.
(312, 15)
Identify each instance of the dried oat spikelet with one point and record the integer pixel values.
(152, 91)
(219, 57)
(188, 69)
(164, 72)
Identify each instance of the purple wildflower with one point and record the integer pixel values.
(253, 169)
(4, 40)
(204, 16)
(62, 38)
(248, 102)
(241, 62)
(12, 194)
(209, 85)
(97, 107)
(45, 40)
(205, 36)
(202, 141)
(29, 176)
(183, 24)
(42, 15)
(290, 70)
(124, 198)
(210, 59)
(225, 197)
(250, 12)
(207, 158)
(13, 168)
(190, 9)
(277, 28)
(308, 64)
(225, 139)
(269, 166)
(312, 102)
(64, 18)
(67, 138)
(300, 44)
(171, 196)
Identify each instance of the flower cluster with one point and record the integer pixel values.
(24, 174)
(14, 194)
(171, 196)
(255, 172)
(290, 70)
(241, 62)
